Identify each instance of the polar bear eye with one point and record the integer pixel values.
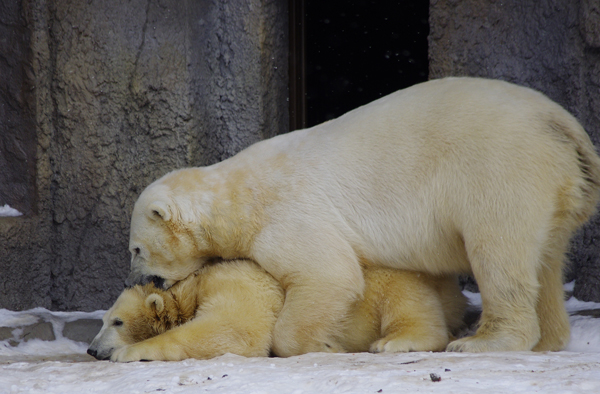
(136, 250)
(118, 323)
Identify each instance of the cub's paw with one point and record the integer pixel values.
(405, 345)
(127, 354)
(396, 345)
(390, 346)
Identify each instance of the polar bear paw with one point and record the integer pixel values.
(403, 345)
(481, 344)
(391, 346)
(127, 354)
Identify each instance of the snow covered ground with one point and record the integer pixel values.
(61, 366)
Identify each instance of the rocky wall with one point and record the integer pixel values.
(123, 92)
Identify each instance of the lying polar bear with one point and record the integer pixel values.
(232, 307)
(452, 175)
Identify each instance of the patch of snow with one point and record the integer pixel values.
(574, 305)
(569, 286)
(474, 298)
(23, 318)
(37, 347)
(8, 211)
(585, 334)
(16, 319)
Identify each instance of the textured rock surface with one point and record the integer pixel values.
(119, 94)
(17, 136)
(83, 330)
(552, 46)
(99, 98)
(42, 330)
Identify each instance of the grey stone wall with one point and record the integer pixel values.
(99, 98)
(106, 97)
(550, 45)
(17, 149)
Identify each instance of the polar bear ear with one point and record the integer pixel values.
(159, 209)
(156, 302)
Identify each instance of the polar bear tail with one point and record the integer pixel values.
(589, 163)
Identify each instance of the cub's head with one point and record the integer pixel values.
(166, 241)
(138, 314)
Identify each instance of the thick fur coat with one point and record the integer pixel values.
(232, 307)
(453, 175)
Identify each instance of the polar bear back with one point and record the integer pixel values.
(424, 165)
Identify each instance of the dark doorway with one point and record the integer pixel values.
(360, 50)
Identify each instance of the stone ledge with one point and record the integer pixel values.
(48, 326)
(83, 330)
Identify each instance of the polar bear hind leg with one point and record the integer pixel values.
(505, 265)
(552, 316)
(575, 203)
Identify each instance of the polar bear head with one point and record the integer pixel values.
(139, 313)
(166, 237)
(189, 217)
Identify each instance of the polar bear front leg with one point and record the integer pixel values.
(228, 322)
(310, 319)
(127, 354)
(168, 346)
(321, 276)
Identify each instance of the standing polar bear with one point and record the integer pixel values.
(452, 175)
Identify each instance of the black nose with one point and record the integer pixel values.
(159, 282)
(92, 353)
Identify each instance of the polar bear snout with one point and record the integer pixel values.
(92, 352)
(158, 282)
(99, 355)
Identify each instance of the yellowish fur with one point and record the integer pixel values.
(232, 307)
(452, 175)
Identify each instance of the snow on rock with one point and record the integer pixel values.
(7, 210)
(17, 319)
